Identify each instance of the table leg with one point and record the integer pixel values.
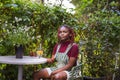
(20, 72)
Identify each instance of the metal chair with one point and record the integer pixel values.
(77, 71)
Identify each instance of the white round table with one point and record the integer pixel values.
(26, 60)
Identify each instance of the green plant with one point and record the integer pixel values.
(19, 36)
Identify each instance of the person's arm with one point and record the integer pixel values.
(50, 60)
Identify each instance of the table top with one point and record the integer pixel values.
(26, 60)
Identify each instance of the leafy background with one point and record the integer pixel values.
(97, 23)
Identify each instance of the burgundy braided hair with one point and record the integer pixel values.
(71, 31)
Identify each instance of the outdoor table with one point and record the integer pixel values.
(26, 60)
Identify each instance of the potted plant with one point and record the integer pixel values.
(18, 37)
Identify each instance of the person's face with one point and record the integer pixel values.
(64, 33)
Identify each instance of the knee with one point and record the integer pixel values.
(41, 74)
(57, 77)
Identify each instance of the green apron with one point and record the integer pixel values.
(61, 58)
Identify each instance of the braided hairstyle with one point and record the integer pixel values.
(71, 33)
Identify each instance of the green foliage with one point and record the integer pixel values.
(97, 23)
(28, 23)
(100, 28)
(18, 36)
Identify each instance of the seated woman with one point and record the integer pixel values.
(65, 54)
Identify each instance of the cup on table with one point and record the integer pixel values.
(39, 53)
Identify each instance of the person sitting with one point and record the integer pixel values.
(65, 54)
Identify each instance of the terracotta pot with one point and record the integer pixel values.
(19, 51)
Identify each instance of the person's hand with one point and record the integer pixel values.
(49, 60)
(53, 73)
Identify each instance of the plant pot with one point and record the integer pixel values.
(19, 51)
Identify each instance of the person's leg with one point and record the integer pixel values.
(41, 74)
(64, 75)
